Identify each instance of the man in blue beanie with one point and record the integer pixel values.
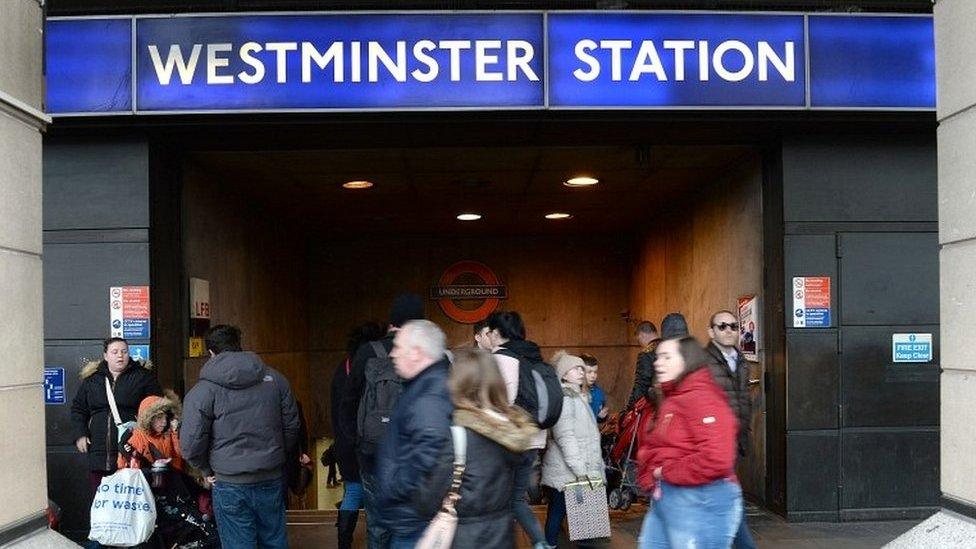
(673, 326)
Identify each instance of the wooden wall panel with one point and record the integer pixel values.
(699, 259)
(571, 293)
(255, 262)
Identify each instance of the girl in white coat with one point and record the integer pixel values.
(573, 452)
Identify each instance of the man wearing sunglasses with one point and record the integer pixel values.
(731, 372)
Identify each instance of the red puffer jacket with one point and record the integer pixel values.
(693, 438)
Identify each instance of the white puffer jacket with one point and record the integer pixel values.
(574, 444)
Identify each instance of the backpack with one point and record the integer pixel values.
(380, 396)
(540, 393)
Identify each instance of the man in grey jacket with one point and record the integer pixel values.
(239, 422)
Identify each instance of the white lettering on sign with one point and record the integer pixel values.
(730, 60)
(342, 61)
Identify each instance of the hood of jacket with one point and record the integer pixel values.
(697, 380)
(524, 348)
(93, 366)
(505, 432)
(234, 370)
(154, 405)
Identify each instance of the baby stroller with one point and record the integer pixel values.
(180, 524)
(184, 516)
(620, 453)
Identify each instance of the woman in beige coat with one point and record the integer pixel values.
(573, 452)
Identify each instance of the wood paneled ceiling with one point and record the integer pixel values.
(421, 191)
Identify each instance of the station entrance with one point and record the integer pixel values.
(296, 259)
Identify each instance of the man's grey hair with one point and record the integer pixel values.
(427, 336)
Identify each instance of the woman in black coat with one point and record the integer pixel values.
(344, 449)
(91, 416)
(497, 435)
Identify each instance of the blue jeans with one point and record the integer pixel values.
(352, 496)
(743, 538)
(404, 542)
(705, 517)
(520, 498)
(377, 535)
(555, 515)
(250, 515)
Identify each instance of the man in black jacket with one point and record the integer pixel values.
(405, 307)
(648, 339)
(731, 372)
(240, 421)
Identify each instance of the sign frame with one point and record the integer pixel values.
(545, 52)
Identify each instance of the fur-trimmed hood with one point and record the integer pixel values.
(93, 366)
(153, 405)
(505, 432)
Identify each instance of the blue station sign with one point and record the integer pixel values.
(497, 61)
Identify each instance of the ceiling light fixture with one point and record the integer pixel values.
(558, 215)
(356, 185)
(469, 217)
(581, 181)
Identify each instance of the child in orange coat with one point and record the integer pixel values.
(155, 438)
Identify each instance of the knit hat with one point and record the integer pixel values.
(563, 362)
(674, 326)
(406, 307)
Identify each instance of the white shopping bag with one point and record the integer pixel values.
(123, 513)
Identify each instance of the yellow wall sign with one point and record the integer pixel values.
(196, 347)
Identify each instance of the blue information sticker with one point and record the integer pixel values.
(54, 385)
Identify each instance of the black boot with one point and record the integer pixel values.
(347, 528)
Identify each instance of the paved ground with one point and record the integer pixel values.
(316, 529)
(772, 532)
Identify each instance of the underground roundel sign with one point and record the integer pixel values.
(468, 292)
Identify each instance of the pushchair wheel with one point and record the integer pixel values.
(616, 498)
(626, 498)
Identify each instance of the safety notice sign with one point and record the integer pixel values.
(129, 311)
(911, 347)
(811, 302)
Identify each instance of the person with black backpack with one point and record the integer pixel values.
(372, 390)
(533, 386)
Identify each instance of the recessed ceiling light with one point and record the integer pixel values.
(469, 217)
(558, 215)
(581, 181)
(357, 184)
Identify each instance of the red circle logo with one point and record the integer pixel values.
(468, 281)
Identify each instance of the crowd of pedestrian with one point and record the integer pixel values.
(437, 444)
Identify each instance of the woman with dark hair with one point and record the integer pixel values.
(130, 381)
(343, 449)
(687, 461)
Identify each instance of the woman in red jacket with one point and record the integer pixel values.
(688, 460)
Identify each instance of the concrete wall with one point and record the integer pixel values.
(21, 327)
(955, 42)
(698, 258)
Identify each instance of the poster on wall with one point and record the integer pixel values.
(129, 311)
(749, 327)
(811, 302)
